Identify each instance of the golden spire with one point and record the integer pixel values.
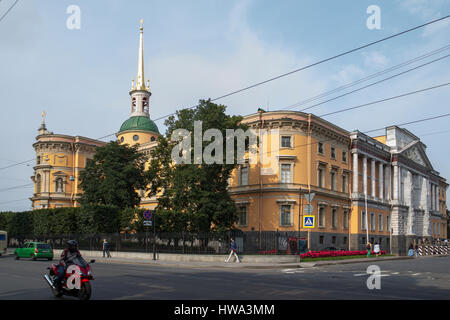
(140, 81)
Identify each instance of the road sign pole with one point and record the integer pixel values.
(154, 235)
(300, 211)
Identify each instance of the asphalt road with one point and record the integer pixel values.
(423, 278)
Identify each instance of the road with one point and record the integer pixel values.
(423, 278)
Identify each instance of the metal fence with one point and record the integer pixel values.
(254, 242)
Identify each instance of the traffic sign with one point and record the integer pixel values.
(147, 223)
(309, 197)
(147, 214)
(308, 221)
(308, 209)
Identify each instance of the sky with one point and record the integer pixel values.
(205, 49)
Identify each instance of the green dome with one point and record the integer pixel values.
(139, 123)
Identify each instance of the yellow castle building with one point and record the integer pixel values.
(378, 189)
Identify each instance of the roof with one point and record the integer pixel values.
(139, 123)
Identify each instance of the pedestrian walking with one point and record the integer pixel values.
(416, 250)
(411, 251)
(233, 250)
(376, 249)
(106, 249)
(368, 248)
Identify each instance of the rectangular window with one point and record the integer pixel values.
(344, 156)
(333, 239)
(363, 240)
(344, 183)
(388, 223)
(321, 239)
(286, 141)
(285, 173)
(320, 148)
(242, 215)
(334, 218)
(363, 220)
(244, 176)
(320, 177)
(380, 222)
(285, 215)
(333, 153)
(322, 217)
(372, 222)
(333, 180)
(345, 240)
(345, 218)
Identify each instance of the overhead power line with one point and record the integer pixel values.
(317, 63)
(351, 84)
(375, 83)
(7, 11)
(386, 99)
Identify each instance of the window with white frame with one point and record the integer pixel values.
(321, 177)
(321, 217)
(334, 218)
(372, 221)
(333, 183)
(286, 173)
(286, 142)
(320, 148)
(344, 156)
(344, 182)
(363, 220)
(333, 153)
(285, 215)
(244, 176)
(345, 219)
(242, 215)
(380, 222)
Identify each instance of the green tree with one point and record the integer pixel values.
(194, 197)
(113, 176)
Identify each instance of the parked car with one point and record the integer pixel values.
(34, 250)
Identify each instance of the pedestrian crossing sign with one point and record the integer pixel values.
(308, 221)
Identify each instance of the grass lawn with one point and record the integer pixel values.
(343, 258)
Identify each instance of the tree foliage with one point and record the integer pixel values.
(194, 197)
(113, 176)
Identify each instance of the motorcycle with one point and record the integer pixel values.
(76, 281)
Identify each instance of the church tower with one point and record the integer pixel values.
(139, 128)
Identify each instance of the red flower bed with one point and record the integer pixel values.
(324, 254)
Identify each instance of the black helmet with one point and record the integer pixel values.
(73, 245)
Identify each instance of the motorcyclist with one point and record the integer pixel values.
(67, 255)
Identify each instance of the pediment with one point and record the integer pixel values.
(416, 153)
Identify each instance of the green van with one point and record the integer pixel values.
(34, 250)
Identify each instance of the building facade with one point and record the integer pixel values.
(379, 190)
(365, 189)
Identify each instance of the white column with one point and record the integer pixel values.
(364, 175)
(380, 181)
(395, 184)
(372, 178)
(355, 172)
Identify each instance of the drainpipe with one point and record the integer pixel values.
(260, 177)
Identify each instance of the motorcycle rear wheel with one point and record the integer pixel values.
(85, 291)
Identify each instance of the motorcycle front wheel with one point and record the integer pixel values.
(85, 291)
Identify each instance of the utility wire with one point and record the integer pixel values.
(10, 8)
(375, 83)
(13, 165)
(17, 187)
(316, 63)
(383, 100)
(351, 84)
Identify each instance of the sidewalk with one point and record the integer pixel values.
(242, 265)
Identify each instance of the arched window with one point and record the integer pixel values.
(38, 183)
(145, 102)
(59, 185)
(133, 105)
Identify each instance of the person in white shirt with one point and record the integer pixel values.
(376, 249)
